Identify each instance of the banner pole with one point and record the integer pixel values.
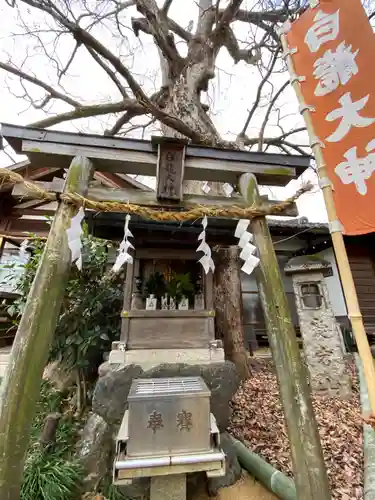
(354, 312)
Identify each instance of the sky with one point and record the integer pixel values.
(230, 96)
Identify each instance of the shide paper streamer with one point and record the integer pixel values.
(123, 255)
(228, 190)
(74, 234)
(248, 249)
(206, 260)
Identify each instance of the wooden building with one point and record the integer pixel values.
(361, 253)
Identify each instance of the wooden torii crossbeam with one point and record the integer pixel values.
(118, 157)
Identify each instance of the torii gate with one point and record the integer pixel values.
(171, 162)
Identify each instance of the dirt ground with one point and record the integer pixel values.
(247, 488)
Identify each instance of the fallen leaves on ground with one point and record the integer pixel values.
(258, 420)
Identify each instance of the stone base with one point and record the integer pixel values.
(149, 358)
(110, 399)
(168, 487)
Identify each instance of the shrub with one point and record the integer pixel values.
(49, 477)
(90, 315)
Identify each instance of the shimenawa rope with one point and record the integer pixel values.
(162, 215)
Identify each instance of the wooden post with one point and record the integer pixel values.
(354, 312)
(21, 385)
(2, 245)
(307, 457)
(228, 307)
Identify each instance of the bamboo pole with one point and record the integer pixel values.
(21, 386)
(274, 480)
(292, 376)
(354, 312)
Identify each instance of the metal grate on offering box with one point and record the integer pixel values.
(178, 386)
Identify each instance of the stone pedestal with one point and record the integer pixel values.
(321, 334)
(110, 399)
(149, 358)
(168, 487)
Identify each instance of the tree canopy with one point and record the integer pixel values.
(208, 70)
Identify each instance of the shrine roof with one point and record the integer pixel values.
(299, 223)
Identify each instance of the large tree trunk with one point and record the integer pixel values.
(184, 92)
(21, 385)
(228, 307)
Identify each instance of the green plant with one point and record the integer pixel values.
(155, 285)
(90, 315)
(110, 491)
(51, 473)
(49, 477)
(180, 286)
(25, 280)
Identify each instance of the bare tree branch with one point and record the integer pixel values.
(206, 19)
(278, 141)
(298, 148)
(143, 126)
(291, 132)
(166, 6)
(141, 24)
(133, 111)
(115, 12)
(110, 73)
(228, 14)
(181, 32)
(259, 91)
(261, 19)
(85, 112)
(273, 16)
(89, 40)
(178, 104)
(160, 30)
(250, 56)
(266, 118)
(123, 120)
(82, 36)
(70, 60)
(53, 93)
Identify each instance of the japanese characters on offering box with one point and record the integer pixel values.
(184, 421)
(332, 47)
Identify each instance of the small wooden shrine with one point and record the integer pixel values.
(168, 311)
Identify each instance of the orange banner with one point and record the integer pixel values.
(333, 51)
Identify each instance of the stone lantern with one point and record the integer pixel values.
(321, 334)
